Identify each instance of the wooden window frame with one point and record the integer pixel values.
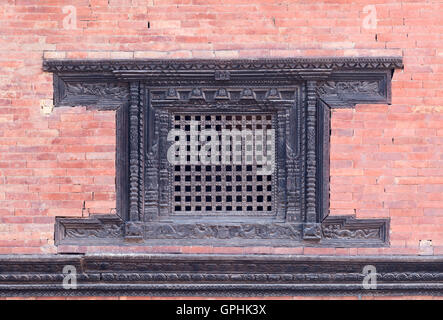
(136, 88)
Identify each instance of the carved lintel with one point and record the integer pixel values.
(143, 67)
(134, 152)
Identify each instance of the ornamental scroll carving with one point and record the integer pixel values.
(349, 87)
(112, 90)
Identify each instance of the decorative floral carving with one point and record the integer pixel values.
(337, 231)
(103, 232)
(99, 89)
(214, 65)
(349, 87)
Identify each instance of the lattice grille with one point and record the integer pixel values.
(236, 183)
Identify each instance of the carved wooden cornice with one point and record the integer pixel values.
(269, 65)
(218, 275)
(300, 91)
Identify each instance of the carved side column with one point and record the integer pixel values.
(141, 150)
(164, 190)
(133, 227)
(312, 228)
(293, 208)
(281, 160)
(133, 152)
(151, 206)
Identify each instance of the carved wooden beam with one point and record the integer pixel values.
(219, 275)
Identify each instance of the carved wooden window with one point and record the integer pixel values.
(227, 204)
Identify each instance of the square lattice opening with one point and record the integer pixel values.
(237, 177)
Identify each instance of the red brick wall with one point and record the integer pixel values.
(386, 161)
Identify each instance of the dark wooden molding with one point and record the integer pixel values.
(229, 66)
(300, 92)
(218, 275)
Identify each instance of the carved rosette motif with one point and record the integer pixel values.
(297, 91)
(339, 228)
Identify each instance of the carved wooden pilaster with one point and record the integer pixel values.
(323, 146)
(134, 155)
(311, 230)
(163, 172)
(141, 149)
(293, 185)
(151, 209)
(280, 164)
